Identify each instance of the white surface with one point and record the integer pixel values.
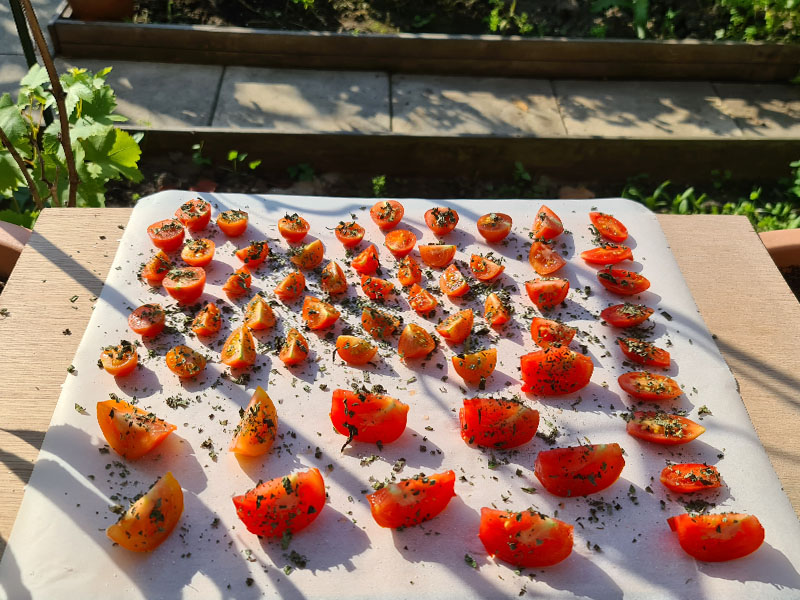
(58, 548)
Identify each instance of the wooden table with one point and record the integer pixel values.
(48, 301)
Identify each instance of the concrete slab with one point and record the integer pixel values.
(762, 110)
(643, 109)
(12, 69)
(9, 40)
(302, 101)
(159, 95)
(444, 106)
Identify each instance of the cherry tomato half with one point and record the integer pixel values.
(120, 360)
(400, 242)
(167, 234)
(293, 227)
(233, 223)
(349, 234)
(547, 292)
(622, 282)
(412, 501)
(644, 353)
(717, 538)
(441, 221)
(497, 423)
(194, 214)
(555, 371)
(185, 362)
(608, 254)
(525, 539)
(664, 429)
(185, 285)
(475, 368)
(579, 470)
(198, 253)
(649, 386)
(148, 320)
(437, 255)
(686, 478)
(626, 315)
(370, 418)
(387, 214)
(609, 227)
(494, 227)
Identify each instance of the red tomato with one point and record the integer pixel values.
(156, 269)
(609, 227)
(452, 282)
(349, 234)
(150, 520)
(148, 320)
(626, 315)
(318, 314)
(547, 225)
(289, 503)
(409, 272)
(400, 242)
(422, 301)
(185, 285)
(208, 321)
(376, 288)
(295, 349)
(131, 431)
(555, 371)
(496, 312)
(254, 254)
(198, 253)
(544, 259)
(649, 386)
(546, 332)
(238, 284)
(608, 254)
(579, 470)
(167, 234)
(258, 314)
(258, 427)
(497, 423)
(415, 342)
(622, 282)
(476, 368)
(525, 539)
(233, 223)
(437, 255)
(664, 429)
(456, 327)
(547, 292)
(239, 350)
(494, 227)
(379, 324)
(293, 228)
(354, 350)
(333, 280)
(644, 353)
(441, 221)
(120, 360)
(194, 214)
(690, 477)
(717, 538)
(185, 362)
(412, 501)
(387, 214)
(370, 418)
(291, 287)
(366, 263)
(483, 268)
(309, 256)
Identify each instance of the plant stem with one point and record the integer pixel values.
(22, 167)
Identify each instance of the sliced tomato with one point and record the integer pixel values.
(547, 292)
(198, 253)
(644, 353)
(333, 280)
(494, 227)
(476, 368)
(185, 362)
(409, 272)
(546, 332)
(292, 287)
(387, 214)
(294, 349)
(129, 430)
(717, 538)
(167, 234)
(156, 269)
(233, 223)
(349, 234)
(318, 314)
(150, 520)
(400, 242)
(208, 321)
(238, 284)
(355, 350)
(555, 371)
(525, 539)
(579, 470)
(258, 427)
(609, 227)
(293, 228)
(415, 342)
(544, 259)
(258, 314)
(686, 478)
(379, 324)
(437, 255)
(483, 268)
(239, 350)
(547, 225)
(497, 423)
(608, 254)
(148, 320)
(456, 327)
(626, 315)
(412, 501)
(376, 288)
(649, 386)
(366, 263)
(195, 214)
(254, 254)
(370, 418)
(284, 504)
(185, 285)
(495, 311)
(622, 282)
(421, 300)
(309, 256)
(452, 282)
(120, 360)
(441, 221)
(662, 428)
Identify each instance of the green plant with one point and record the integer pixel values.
(379, 186)
(505, 20)
(639, 10)
(197, 155)
(236, 158)
(306, 3)
(301, 172)
(761, 20)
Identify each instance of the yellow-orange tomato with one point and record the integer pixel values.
(475, 368)
(130, 431)
(258, 314)
(120, 360)
(258, 428)
(415, 342)
(354, 350)
(185, 362)
(309, 256)
(239, 350)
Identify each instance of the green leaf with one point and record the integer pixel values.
(13, 124)
(125, 155)
(24, 219)
(10, 176)
(232, 154)
(37, 76)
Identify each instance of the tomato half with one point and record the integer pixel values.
(258, 314)
(185, 285)
(379, 324)
(456, 327)
(622, 282)
(376, 288)
(717, 538)
(495, 311)
(129, 430)
(664, 429)
(387, 214)
(150, 520)
(238, 283)
(369, 418)
(318, 314)
(195, 214)
(497, 423)
(483, 268)
(294, 349)
(254, 254)
(690, 477)
(349, 234)
(208, 321)
(415, 342)
(441, 221)
(609, 227)
(476, 368)
(232, 223)
(156, 269)
(579, 470)
(289, 503)
(185, 362)
(258, 427)
(555, 371)
(409, 272)
(452, 282)
(309, 256)
(354, 350)
(333, 280)
(198, 253)
(239, 350)
(412, 501)
(649, 386)
(421, 300)
(291, 287)
(366, 263)
(547, 292)
(644, 353)
(120, 360)
(525, 539)
(400, 242)
(293, 227)
(148, 320)
(608, 254)
(547, 224)
(437, 255)
(544, 259)
(494, 227)
(626, 315)
(167, 234)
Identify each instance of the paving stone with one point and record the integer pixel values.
(300, 101)
(442, 105)
(764, 110)
(12, 69)
(642, 109)
(9, 40)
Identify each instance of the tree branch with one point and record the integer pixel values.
(22, 167)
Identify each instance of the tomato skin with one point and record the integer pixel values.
(649, 386)
(483, 268)
(644, 353)
(289, 503)
(239, 350)
(690, 477)
(148, 320)
(609, 227)
(369, 418)
(293, 228)
(292, 287)
(475, 368)
(456, 327)
(166, 235)
(333, 280)
(185, 362)
(318, 314)
(547, 292)
(238, 283)
(497, 423)
(441, 221)
(258, 427)
(437, 255)
(387, 214)
(185, 285)
(555, 371)
(546, 332)
(309, 256)
(719, 537)
(421, 300)
(232, 223)
(129, 430)
(452, 282)
(208, 321)
(544, 259)
(409, 272)
(379, 324)
(258, 314)
(494, 227)
(150, 520)
(664, 429)
(295, 349)
(626, 315)
(525, 539)
(366, 263)
(253, 255)
(195, 214)
(120, 360)
(376, 288)
(412, 501)
(198, 253)
(622, 282)
(579, 470)
(400, 242)
(547, 225)
(354, 350)
(495, 311)
(349, 234)
(156, 269)
(415, 342)
(610, 254)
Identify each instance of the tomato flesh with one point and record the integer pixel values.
(579, 470)
(400, 242)
(649, 386)
(483, 268)
(412, 501)
(376, 288)
(690, 477)
(295, 349)
(185, 285)
(497, 423)
(555, 371)
(452, 282)
(354, 350)
(437, 255)
(609, 254)
(476, 368)
(239, 350)
(370, 418)
(129, 430)
(195, 214)
(387, 214)
(626, 315)
(379, 324)
(457, 327)
(309, 256)
(547, 292)
(662, 428)
(415, 342)
(547, 224)
(409, 272)
(495, 311)
(644, 353)
(718, 538)
(609, 227)
(148, 320)
(258, 314)
(208, 321)
(544, 259)
(366, 263)
(525, 539)
(441, 221)
(494, 227)
(258, 427)
(293, 228)
(318, 314)
(622, 282)
(421, 300)
(546, 332)
(167, 234)
(333, 280)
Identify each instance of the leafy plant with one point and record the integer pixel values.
(504, 19)
(639, 10)
(197, 155)
(379, 186)
(236, 158)
(761, 19)
(301, 172)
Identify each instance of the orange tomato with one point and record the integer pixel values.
(156, 269)
(185, 362)
(547, 224)
(483, 268)
(293, 228)
(309, 256)
(452, 282)
(555, 371)
(546, 332)
(258, 314)
(198, 253)
(194, 214)
(292, 287)
(238, 284)
(421, 300)
(437, 255)
(333, 280)
(208, 321)
(380, 325)
(349, 234)
(546, 292)
(355, 350)
(457, 327)
(609, 227)
(254, 254)
(622, 281)
(496, 312)
(400, 242)
(239, 350)
(185, 285)
(387, 214)
(476, 368)
(366, 262)
(233, 223)
(494, 227)
(415, 342)
(544, 259)
(258, 427)
(167, 234)
(131, 431)
(441, 221)
(644, 353)
(148, 320)
(295, 348)
(376, 288)
(120, 360)
(409, 272)
(318, 314)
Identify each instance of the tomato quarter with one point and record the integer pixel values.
(484, 268)
(239, 350)
(496, 311)
(608, 254)
(370, 418)
(579, 470)
(452, 282)
(544, 259)
(254, 254)
(376, 288)
(208, 321)
(497, 423)
(717, 538)
(409, 272)
(156, 269)
(379, 324)
(333, 280)
(421, 300)
(609, 227)
(238, 283)
(476, 368)
(525, 539)
(294, 349)
(415, 342)
(555, 371)
(456, 327)
(292, 287)
(412, 501)
(258, 314)
(354, 350)
(129, 430)
(258, 427)
(547, 225)
(437, 255)
(309, 256)
(366, 263)
(546, 332)
(318, 314)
